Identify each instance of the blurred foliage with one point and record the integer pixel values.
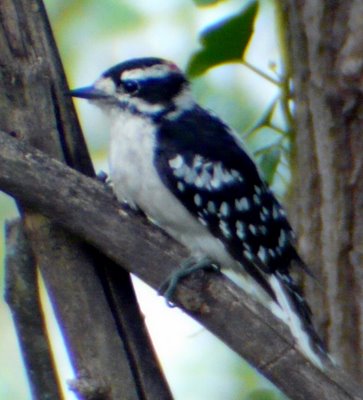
(203, 3)
(263, 394)
(112, 16)
(269, 161)
(274, 145)
(76, 24)
(225, 41)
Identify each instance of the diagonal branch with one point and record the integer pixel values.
(22, 296)
(82, 206)
(113, 357)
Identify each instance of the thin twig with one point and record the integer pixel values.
(22, 296)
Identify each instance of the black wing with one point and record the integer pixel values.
(206, 168)
(218, 182)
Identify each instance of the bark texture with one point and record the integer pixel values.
(105, 333)
(326, 43)
(22, 296)
(85, 208)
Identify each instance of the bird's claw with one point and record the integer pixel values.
(187, 267)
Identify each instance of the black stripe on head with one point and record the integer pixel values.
(161, 90)
(153, 89)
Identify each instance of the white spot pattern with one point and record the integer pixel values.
(198, 200)
(242, 204)
(263, 217)
(265, 211)
(223, 226)
(262, 254)
(221, 175)
(258, 190)
(224, 209)
(202, 179)
(240, 230)
(203, 173)
(211, 207)
(190, 175)
(248, 255)
(176, 162)
(202, 221)
(247, 246)
(252, 229)
(257, 199)
(276, 212)
(197, 161)
(180, 171)
(237, 175)
(282, 238)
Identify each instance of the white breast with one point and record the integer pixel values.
(130, 156)
(136, 180)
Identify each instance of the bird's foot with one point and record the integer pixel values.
(105, 180)
(187, 267)
(103, 177)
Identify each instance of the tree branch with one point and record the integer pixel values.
(22, 296)
(82, 206)
(325, 45)
(109, 347)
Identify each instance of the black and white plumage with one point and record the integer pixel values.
(189, 173)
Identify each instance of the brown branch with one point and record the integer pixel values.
(326, 49)
(85, 208)
(108, 343)
(22, 296)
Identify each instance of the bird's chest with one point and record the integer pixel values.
(131, 159)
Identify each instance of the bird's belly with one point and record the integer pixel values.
(141, 187)
(136, 181)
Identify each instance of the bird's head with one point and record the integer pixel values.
(147, 86)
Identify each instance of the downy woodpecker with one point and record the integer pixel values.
(189, 173)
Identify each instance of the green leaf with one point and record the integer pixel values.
(264, 394)
(204, 3)
(268, 164)
(265, 150)
(225, 41)
(105, 17)
(264, 120)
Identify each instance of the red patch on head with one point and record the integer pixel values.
(172, 66)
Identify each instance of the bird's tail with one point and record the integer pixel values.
(298, 317)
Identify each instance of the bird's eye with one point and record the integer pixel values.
(130, 86)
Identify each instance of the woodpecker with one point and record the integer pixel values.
(190, 174)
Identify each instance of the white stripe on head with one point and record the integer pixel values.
(145, 107)
(155, 71)
(107, 85)
(184, 101)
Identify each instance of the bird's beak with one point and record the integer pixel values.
(89, 92)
